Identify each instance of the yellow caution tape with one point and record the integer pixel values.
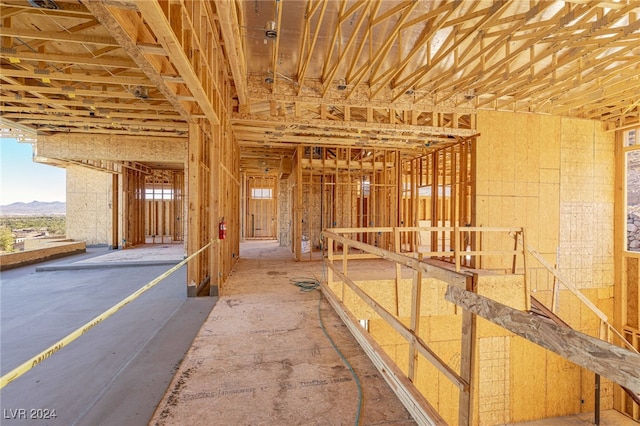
(28, 365)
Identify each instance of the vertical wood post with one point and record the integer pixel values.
(556, 285)
(596, 419)
(396, 245)
(193, 231)
(515, 255)
(114, 210)
(216, 198)
(330, 262)
(456, 246)
(416, 293)
(467, 360)
(345, 255)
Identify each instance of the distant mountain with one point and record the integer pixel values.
(34, 208)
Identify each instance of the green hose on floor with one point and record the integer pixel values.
(311, 284)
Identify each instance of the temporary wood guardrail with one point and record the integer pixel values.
(606, 328)
(422, 411)
(462, 286)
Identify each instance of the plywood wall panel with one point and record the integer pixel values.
(518, 198)
(383, 292)
(562, 193)
(113, 148)
(494, 380)
(587, 183)
(563, 394)
(528, 391)
(89, 214)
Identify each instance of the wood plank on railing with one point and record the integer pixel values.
(426, 228)
(452, 277)
(611, 361)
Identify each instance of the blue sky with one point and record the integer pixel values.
(23, 180)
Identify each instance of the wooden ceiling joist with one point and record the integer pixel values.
(174, 26)
(126, 26)
(60, 36)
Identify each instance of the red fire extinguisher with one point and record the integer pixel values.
(222, 230)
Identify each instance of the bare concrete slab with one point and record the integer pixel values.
(142, 255)
(261, 358)
(145, 252)
(117, 372)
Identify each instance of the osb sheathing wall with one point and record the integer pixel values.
(89, 203)
(112, 148)
(553, 176)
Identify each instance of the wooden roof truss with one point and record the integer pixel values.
(397, 74)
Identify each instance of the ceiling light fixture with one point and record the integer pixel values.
(342, 84)
(141, 92)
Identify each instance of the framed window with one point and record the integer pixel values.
(631, 138)
(158, 194)
(632, 171)
(261, 193)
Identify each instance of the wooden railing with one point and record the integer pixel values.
(455, 275)
(607, 330)
(517, 257)
(453, 252)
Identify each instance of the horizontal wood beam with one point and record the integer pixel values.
(247, 119)
(103, 61)
(140, 80)
(169, 119)
(613, 362)
(111, 92)
(114, 106)
(81, 120)
(58, 36)
(360, 98)
(70, 10)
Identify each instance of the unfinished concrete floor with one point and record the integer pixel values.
(115, 374)
(261, 358)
